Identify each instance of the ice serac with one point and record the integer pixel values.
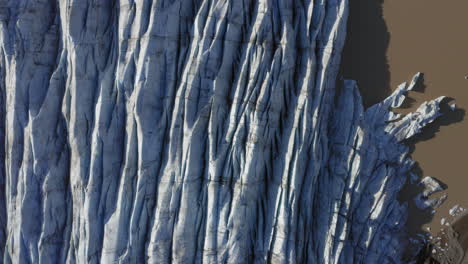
(193, 131)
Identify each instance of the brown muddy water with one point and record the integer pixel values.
(388, 42)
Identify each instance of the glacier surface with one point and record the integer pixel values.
(194, 131)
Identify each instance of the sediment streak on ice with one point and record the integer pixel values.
(193, 131)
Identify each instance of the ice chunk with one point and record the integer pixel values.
(454, 210)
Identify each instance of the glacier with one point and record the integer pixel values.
(194, 131)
